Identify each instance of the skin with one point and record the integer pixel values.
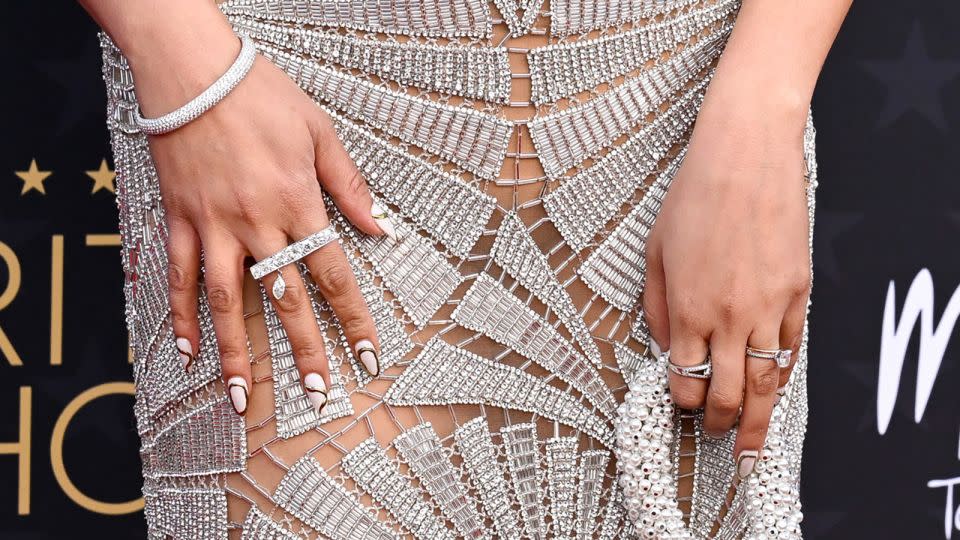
(728, 261)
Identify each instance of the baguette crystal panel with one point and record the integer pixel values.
(565, 69)
(477, 141)
(616, 269)
(443, 374)
(486, 70)
(569, 137)
(437, 18)
(581, 206)
(523, 461)
(422, 451)
(259, 526)
(178, 511)
(580, 16)
(451, 211)
(308, 493)
(517, 253)
(488, 476)
(491, 309)
(528, 11)
(376, 474)
(590, 478)
(561, 455)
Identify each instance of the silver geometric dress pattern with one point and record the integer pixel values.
(508, 309)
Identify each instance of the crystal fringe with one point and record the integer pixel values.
(176, 510)
(529, 10)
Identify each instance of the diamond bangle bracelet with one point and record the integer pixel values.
(207, 99)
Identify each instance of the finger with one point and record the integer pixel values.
(687, 348)
(183, 274)
(726, 385)
(759, 396)
(340, 177)
(295, 311)
(791, 333)
(331, 271)
(223, 279)
(655, 302)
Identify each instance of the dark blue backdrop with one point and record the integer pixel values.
(887, 111)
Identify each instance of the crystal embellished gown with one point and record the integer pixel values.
(523, 149)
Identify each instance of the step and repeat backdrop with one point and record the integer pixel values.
(882, 458)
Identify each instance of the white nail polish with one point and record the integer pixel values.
(655, 348)
(316, 390)
(746, 461)
(237, 387)
(379, 214)
(186, 353)
(368, 356)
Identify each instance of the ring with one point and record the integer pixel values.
(780, 356)
(292, 253)
(699, 371)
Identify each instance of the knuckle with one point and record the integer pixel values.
(686, 397)
(248, 206)
(723, 401)
(221, 298)
(356, 183)
(333, 279)
(293, 299)
(231, 354)
(764, 382)
(307, 349)
(180, 281)
(801, 282)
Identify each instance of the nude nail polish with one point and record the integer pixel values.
(237, 388)
(655, 350)
(186, 353)
(367, 355)
(379, 214)
(316, 390)
(746, 461)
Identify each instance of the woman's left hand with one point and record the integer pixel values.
(728, 263)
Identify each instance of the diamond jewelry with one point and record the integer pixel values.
(780, 356)
(702, 370)
(207, 99)
(293, 252)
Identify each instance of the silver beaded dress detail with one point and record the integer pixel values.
(517, 397)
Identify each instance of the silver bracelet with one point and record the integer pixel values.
(207, 99)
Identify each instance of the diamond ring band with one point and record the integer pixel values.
(780, 356)
(292, 253)
(702, 370)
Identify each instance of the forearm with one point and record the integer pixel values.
(176, 48)
(775, 54)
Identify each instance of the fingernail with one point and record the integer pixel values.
(316, 390)
(745, 463)
(655, 348)
(237, 387)
(379, 214)
(368, 356)
(186, 353)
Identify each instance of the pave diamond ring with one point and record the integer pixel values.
(702, 370)
(780, 356)
(292, 253)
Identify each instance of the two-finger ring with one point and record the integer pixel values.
(780, 356)
(292, 253)
(702, 370)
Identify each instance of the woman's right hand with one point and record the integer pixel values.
(245, 179)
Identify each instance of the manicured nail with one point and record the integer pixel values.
(186, 353)
(655, 348)
(316, 390)
(237, 386)
(746, 462)
(368, 356)
(379, 214)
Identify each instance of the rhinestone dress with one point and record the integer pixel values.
(523, 150)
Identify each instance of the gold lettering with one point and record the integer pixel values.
(21, 448)
(56, 452)
(9, 293)
(56, 300)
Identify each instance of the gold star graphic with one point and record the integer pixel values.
(33, 178)
(102, 178)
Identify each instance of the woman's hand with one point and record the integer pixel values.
(728, 263)
(245, 179)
